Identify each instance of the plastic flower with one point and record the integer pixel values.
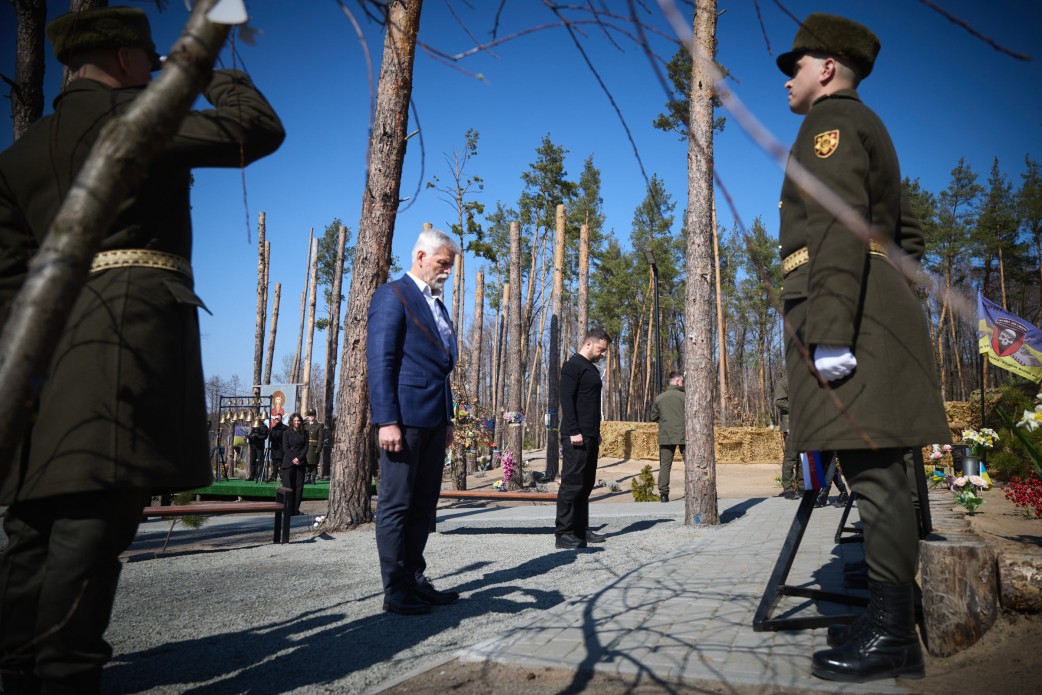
(947, 448)
(978, 481)
(1032, 419)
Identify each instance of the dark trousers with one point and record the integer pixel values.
(791, 470)
(58, 580)
(578, 475)
(256, 462)
(665, 465)
(410, 482)
(293, 478)
(276, 465)
(880, 479)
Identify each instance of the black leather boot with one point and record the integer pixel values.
(887, 646)
(841, 633)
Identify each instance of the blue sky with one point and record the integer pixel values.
(943, 94)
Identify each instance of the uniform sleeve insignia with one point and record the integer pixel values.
(826, 143)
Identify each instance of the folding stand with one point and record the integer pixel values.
(776, 586)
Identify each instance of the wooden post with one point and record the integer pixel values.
(295, 377)
(305, 401)
(584, 282)
(476, 336)
(271, 335)
(553, 370)
(262, 307)
(513, 440)
(960, 592)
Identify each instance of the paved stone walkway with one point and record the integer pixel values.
(689, 614)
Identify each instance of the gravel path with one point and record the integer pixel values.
(307, 617)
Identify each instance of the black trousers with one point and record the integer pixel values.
(293, 478)
(578, 475)
(256, 462)
(58, 580)
(410, 482)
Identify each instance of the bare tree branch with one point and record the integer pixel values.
(973, 32)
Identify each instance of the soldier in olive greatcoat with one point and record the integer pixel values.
(316, 436)
(127, 369)
(668, 412)
(862, 379)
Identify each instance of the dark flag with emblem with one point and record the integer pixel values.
(1009, 341)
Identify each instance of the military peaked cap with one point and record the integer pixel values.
(835, 36)
(108, 27)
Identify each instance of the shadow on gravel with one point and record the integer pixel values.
(324, 646)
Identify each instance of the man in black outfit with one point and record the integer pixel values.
(580, 440)
(257, 436)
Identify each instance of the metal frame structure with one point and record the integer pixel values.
(232, 411)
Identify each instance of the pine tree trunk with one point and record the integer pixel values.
(333, 340)
(513, 439)
(700, 463)
(501, 368)
(271, 335)
(27, 88)
(584, 282)
(476, 338)
(117, 164)
(262, 307)
(721, 330)
(354, 452)
(305, 400)
(553, 370)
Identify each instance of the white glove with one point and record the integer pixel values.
(834, 361)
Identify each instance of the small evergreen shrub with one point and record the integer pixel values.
(644, 486)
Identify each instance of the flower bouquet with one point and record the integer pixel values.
(967, 490)
(979, 440)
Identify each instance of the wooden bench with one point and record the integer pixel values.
(281, 509)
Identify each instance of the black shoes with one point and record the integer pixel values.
(664, 497)
(884, 645)
(569, 541)
(791, 495)
(592, 537)
(822, 501)
(426, 591)
(405, 602)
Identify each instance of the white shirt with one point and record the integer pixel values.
(437, 310)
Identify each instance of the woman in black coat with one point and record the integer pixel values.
(295, 450)
(275, 446)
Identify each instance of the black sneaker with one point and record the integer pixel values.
(569, 541)
(664, 497)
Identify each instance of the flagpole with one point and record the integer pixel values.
(980, 365)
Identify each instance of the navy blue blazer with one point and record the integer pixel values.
(408, 364)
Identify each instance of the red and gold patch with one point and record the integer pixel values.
(826, 143)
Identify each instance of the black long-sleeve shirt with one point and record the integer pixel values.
(580, 398)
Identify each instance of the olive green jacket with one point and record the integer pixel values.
(781, 401)
(668, 412)
(846, 296)
(316, 435)
(123, 404)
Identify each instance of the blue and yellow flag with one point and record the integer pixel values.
(1009, 341)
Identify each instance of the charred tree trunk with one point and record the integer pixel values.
(584, 282)
(354, 453)
(513, 439)
(305, 400)
(117, 164)
(27, 88)
(262, 307)
(553, 370)
(303, 308)
(499, 358)
(476, 337)
(333, 339)
(700, 465)
(271, 335)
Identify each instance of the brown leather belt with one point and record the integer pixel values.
(143, 258)
(801, 255)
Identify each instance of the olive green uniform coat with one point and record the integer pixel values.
(127, 370)
(668, 412)
(316, 434)
(845, 296)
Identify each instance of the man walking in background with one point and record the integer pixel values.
(410, 353)
(127, 370)
(791, 471)
(668, 412)
(580, 440)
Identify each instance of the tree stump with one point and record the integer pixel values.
(960, 592)
(472, 462)
(1020, 581)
